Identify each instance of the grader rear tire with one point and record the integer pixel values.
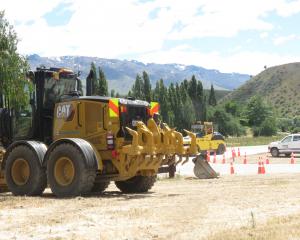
(137, 184)
(24, 173)
(66, 171)
(99, 187)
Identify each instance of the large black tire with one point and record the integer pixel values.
(221, 149)
(137, 184)
(99, 187)
(274, 152)
(63, 181)
(23, 172)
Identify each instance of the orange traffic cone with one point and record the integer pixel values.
(223, 160)
(239, 153)
(259, 167)
(231, 168)
(293, 159)
(267, 160)
(215, 158)
(245, 159)
(208, 156)
(263, 170)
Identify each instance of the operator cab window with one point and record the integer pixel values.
(54, 89)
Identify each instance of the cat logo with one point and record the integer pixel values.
(64, 111)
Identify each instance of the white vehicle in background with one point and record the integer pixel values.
(289, 144)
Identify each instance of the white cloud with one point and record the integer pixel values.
(28, 10)
(264, 35)
(287, 9)
(284, 39)
(117, 28)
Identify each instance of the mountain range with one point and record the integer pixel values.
(121, 74)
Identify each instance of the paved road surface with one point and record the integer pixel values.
(241, 169)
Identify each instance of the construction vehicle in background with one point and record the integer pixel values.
(206, 138)
(79, 144)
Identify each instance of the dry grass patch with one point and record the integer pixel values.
(276, 229)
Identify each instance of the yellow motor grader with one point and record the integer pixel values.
(78, 144)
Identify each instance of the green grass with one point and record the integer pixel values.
(252, 141)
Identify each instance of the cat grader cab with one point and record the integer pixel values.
(79, 144)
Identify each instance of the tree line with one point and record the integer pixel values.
(184, 103)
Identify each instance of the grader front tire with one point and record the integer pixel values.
(67, 173)
(137, 184)
(24, 173)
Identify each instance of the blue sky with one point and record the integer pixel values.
(231, 36)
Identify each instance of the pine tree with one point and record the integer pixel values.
(212, 98)
(146, 87)
(102, 84)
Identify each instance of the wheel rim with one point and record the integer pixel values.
(64, 171)
(20, 171)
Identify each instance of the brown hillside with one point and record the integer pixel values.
(279, 86)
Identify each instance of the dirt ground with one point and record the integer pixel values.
(182, 208)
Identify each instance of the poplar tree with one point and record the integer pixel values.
(137, 88)
(102, 89)
(147, 87)
(13, 68)
(91, 81)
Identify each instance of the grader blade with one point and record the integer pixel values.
(202, 169)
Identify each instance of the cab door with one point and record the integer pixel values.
(284, 144)
(294, 145)
(22, 116)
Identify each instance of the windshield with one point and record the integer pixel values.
(54, 89)
(130, 115)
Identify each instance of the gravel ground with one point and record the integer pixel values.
(182, 208)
